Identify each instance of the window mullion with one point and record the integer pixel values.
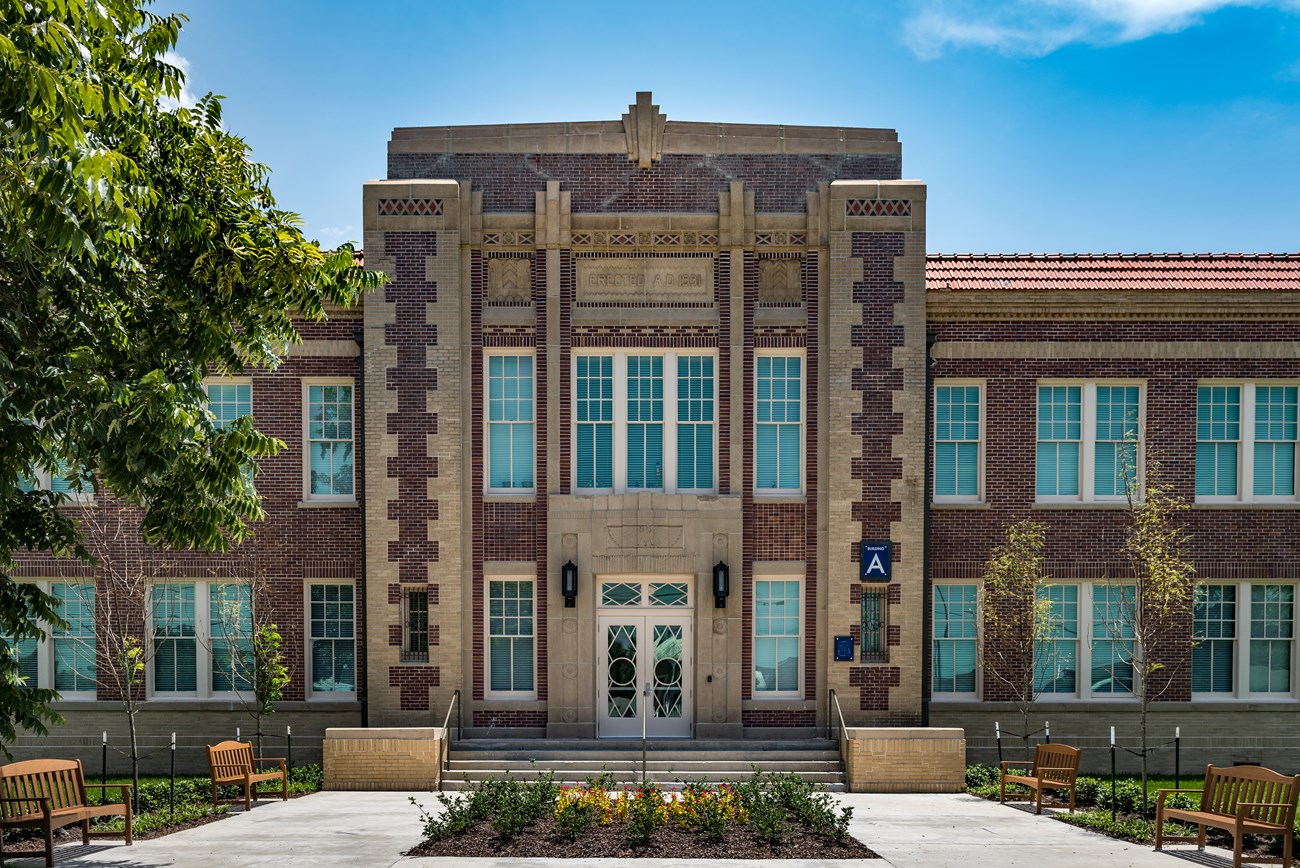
(202, 640)
(1086, 638)
(1088, 443)
(620, 423)
(1246, 463)
(1242, 675)
(670, 423)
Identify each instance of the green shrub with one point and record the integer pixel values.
(646, 812)
(1087, 790)
(982, 776)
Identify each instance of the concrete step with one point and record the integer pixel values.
(610, 756)
(618, 765)
(830, 782)
(668, 745)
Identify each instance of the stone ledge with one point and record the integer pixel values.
(904, 759)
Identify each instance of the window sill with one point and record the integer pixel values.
(328, 504)
(1080, 504)
(781, 497)
(960, 504)
(509, 496)
(1247, 504)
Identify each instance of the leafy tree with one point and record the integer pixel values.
(1155, 601)
(1017, 618)
(140, 250)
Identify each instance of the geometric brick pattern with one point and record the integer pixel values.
(873, 683)
(410, 207)
(414, 683)
(878, 208)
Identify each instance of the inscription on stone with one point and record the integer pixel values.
(612, 281)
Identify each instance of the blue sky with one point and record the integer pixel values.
(1049, 126)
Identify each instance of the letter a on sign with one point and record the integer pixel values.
(876, 561)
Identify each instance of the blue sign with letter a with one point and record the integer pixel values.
(876, 564)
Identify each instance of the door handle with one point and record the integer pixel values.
(648, 688)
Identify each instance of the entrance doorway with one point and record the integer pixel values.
(646, 661)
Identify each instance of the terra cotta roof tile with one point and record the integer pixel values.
(1114, 271)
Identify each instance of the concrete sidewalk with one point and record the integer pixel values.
(374, 829)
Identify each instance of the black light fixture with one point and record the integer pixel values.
(721, 585)
(569, 584)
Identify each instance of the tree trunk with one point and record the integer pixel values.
(135, 760)
(1143, 730)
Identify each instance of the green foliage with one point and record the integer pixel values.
(306, 778)
(1016, 618)
(770, 799)
(982, 776)
(509, 805)
(646, 813)
(140, 250)
(575, 816)
(270, 674)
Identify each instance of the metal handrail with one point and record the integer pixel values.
(445, 759)
(835, 700)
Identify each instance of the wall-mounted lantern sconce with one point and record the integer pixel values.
(721, 585)
(569, 584)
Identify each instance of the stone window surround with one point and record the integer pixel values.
(777, 493)
(488, 353)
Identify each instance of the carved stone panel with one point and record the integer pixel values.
(510, 280)
(661, 280)
(778, 281)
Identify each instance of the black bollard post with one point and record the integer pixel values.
(1177, 754)
(1112, 774)
(288, 747)
(1047, 732)
(103, 767)
(997, 734)
(171, 797)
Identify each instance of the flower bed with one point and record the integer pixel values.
(768, 816)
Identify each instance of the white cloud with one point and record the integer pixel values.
(331, 236)
(187, 98)
(1037, 27)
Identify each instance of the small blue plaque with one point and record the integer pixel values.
(844, 648)
(876, 562)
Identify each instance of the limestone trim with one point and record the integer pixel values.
(951, 350)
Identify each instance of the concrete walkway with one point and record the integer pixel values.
(374, 829)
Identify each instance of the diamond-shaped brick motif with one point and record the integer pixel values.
(878, 207)
(410, 207)
(627, 239)
(662, 239)
(708, 238)
(582, 238)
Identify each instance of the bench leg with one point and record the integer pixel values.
(48, 828)
(1200, 837)
(85, 831)
(1237, 841)
(214, 795)
(1038, 800)
(284, 788)
(1160, 828)
(248, 796)
(127, 802)
(1071, 800)
(1286, 849)
(1002, 790)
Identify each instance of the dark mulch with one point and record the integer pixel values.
(667, 842)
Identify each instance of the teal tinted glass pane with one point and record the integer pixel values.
(333, 650)
(954, 645)
(1275, 440)
(788, 456)
(957, 435)
(230, 616)
(1218, 413)
(330, 440)
(499, 455)
(1057, 471)
(229, 401)
(968, 469)
(945, 469)
(510, 635)
(765, 456)
(23, 653)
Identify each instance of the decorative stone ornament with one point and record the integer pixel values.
(510, 280)
(778, 281)
(644, 125)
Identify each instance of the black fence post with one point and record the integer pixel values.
(1112, 773)
(288, 747)
(103, 766)
(171, 796)
(1047, 732)
(1177, 755)
(997, 735)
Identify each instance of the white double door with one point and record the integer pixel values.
(644, 675)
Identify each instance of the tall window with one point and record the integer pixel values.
(1218, 436)
(875, 638)
(778, 424)
(329, 441)
(776, 636)
(510, 422)
(1272, 633)
(957, 442)
(333, 653)
(1056, 658)
(955, 637)
(415, 625)
(175, 639)
(645, 421)
(595, 421)
(1112, 639)
(1275, 441)
(1060, 429)
(1214, 634)
(695, 422)
(230, 614)
(1089, 441)
(74, 645)
(510, 636)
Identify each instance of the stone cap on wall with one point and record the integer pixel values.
(645, 134)
(900, 733)
(397, 733)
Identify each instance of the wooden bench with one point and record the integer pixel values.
(1241, 800)
(50, 794)
(1055, 767)
(231, 762)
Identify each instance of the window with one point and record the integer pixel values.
(25, 656)
(202, 634)
(1272, 635)
(1246, 442)
(57, 480)
(510, 637)
(957, 442)
(1214, 634)
(875, 645)
(778, 424)
(229, 400)
(510, 422)
(1089, 441)
(329, 441)
(776, 637)
(74, 645)
(415, 625)
(1103, 653)
(955, 639)
(644, 421)
(332, 656)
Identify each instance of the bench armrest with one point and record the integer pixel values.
(125, 789)
(1184, 790)
(1049, 769)
(268, 759)
(1006, 763)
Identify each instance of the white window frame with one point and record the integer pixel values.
(978, 497)
(1241, 691)
(488, 692)
(1087, 637)
(203, 639)
(229, 381)
(488, 352)
(798, 691)
(307, 383)
(1246, 447)
(1088, 441)
(954, 696)
(309, 676)
(777, 493)
(620, 357)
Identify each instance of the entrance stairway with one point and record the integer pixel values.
(668, 763)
